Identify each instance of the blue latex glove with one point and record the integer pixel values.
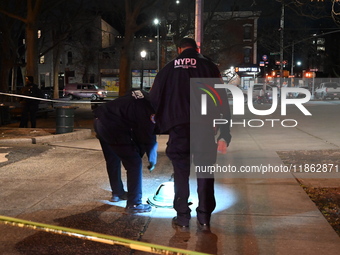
(151, 166)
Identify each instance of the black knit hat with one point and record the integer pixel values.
(187, 42)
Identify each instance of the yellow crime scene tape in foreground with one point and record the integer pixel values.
(51, 100)
(97, 237)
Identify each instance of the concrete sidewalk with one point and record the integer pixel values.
(256, 214)
(253, 215)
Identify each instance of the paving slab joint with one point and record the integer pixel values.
(77, 134)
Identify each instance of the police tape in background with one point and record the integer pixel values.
(97, 237)
(49, 100)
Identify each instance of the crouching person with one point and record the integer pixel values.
(125, 129)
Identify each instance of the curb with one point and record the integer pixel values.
(78, 134)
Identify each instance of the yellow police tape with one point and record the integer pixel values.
(49, 100)
(97, 237)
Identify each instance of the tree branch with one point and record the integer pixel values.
(13, 16)
(37, 7)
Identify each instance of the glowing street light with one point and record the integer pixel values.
(156, 22)
(142, 55)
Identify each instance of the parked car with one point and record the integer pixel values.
(257, 88)
(328, 90)
(301, 95)
(48, 92)
(81, 90)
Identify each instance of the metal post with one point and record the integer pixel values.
(141, 76)
(158, 56)
(199, 23)
(156, 21)
(313, 88)
(282, 22)
(292, 67)
(142, 55)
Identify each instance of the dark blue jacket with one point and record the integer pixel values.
(129, 119)
(170, 93)
(31, 90)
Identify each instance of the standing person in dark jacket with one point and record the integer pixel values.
(125, 128)
(170, 96)
(30, 106)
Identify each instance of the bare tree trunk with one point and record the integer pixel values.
(125, 58)
(33, 10)
(31, 52)
(56, 67)
(7, 64)
(14, 79)
(125, 76)
(132, 10)
(4, 74)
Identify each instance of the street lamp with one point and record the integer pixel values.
(156, 22)
(142, 55)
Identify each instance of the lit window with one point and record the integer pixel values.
(42, 60)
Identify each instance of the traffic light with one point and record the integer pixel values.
(309, 74)
(276, 73)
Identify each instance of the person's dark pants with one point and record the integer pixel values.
(29, 112)
(178, 151)
(132, 162)
(113, 167)
(131, 159)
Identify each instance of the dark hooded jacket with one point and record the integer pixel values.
(170, 93)
(129, 120)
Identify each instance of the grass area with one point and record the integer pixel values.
(327, 199)
(328, 202)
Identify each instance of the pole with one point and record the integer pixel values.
(282, 24)
(156, 22)
(141, 75)
(142, 56)
(292, 67)
(313, 88)
(199, 24)
(158, 56)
